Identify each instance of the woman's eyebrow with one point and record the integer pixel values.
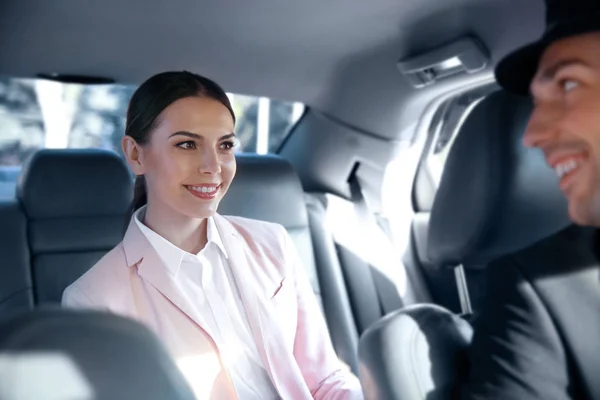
(228, 136)
(196, 136)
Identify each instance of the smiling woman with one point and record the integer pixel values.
(178, 140)
(212, 287)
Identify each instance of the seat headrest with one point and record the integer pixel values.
(496, 196)
(75, 183)
(267, 188)
(62, 354)
(435, 364)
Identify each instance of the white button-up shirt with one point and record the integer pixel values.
(207, 281)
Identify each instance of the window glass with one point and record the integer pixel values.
(36, 113)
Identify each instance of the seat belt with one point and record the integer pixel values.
(387, 293)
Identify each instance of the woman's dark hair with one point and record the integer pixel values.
(152, 98)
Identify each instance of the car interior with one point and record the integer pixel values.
(398, 169)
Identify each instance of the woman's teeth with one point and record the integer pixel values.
(204, 189)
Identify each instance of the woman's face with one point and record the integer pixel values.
(189, 160)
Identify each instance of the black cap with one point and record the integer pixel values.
(564, 18)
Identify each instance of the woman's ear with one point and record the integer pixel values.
(133, 155)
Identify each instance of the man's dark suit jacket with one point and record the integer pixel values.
(538, 333)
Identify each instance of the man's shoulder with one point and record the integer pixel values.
(558, 254)
(527, 329)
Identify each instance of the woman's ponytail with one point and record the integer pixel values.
(140, 196)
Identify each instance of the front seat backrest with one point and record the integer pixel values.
(60, 354)
(415, 353)
(76, 203)
(495, 197)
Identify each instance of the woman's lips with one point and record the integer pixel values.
(204, 191)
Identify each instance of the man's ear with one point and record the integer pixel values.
(133, 155)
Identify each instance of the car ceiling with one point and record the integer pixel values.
(337, 56)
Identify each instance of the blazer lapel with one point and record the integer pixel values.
(277, 360)
(579, 310)
(138, 251)
(569, 283)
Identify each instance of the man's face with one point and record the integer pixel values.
(565, 123)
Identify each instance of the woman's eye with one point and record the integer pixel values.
(227, 145)
(187, 145)
(569, 85)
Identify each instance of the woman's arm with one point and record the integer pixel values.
(313, 350)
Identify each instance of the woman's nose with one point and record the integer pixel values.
(209, 163)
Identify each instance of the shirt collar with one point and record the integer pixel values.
(213, 236)
(171, 255)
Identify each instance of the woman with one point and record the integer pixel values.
(227, 295)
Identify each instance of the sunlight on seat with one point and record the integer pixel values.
(48, 376)
(396, 199)
(369, 243)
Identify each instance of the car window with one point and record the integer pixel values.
(37, 113)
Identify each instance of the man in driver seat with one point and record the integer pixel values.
(547, 345)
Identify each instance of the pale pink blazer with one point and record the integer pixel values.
(284, 316)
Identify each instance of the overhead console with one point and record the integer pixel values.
(464, 56)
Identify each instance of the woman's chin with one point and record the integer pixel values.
(204, 211)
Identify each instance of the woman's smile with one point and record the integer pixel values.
(205, 191)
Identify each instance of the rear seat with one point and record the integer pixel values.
(75, 203)
(16, 293)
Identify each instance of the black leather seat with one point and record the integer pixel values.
(75, 202)
(495, 198)
(414, 353)
(268, 189)
(16, 291)
(59, 354)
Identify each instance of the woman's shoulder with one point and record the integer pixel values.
(255, 226)
(111, 268)
(261, 233)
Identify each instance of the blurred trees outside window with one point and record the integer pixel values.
(36, 113)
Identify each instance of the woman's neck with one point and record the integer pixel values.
(189, 234)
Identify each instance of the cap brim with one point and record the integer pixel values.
(515, 72)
